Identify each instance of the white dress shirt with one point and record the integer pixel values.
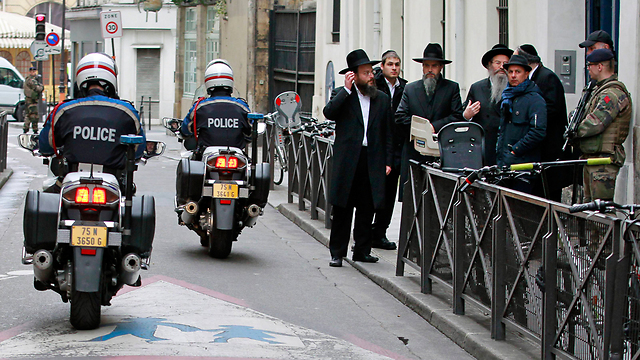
(392, 88)
(365, 104)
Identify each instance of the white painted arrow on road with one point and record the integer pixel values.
(167, 317)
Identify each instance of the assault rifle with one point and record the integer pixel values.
(578, 114)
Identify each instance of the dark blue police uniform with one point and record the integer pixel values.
(219, 121)
(88, 130)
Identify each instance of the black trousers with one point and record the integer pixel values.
(360, 198)
(384, 215)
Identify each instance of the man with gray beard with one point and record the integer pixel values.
(433, 98)
(484, 98)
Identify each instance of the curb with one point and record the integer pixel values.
(470, 331)
(4, 176)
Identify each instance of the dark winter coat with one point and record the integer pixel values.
(398, 134)
(523, 129)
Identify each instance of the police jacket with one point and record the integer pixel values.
(522, 129)
(88, 130)
(218, 121)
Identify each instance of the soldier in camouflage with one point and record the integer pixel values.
(605, 127)
(32, 93)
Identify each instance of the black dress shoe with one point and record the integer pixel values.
(384, 244)
(335, 262)
(365, 258)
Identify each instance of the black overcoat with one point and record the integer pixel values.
(488, 117)
(398, 135)
(344, 109)
(442, 108)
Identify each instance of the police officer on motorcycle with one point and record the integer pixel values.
(220, 119)
(88, 129)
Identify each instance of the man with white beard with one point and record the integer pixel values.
(484, 98)
(433, 97)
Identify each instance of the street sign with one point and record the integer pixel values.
(38, 50)
(111, 24)
(52, 39)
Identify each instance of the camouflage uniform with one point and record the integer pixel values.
(32, 93)
(602, 133)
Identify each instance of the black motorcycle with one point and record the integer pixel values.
(85, 238)
(220, 190)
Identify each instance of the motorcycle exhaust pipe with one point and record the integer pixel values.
(189, 212)
(43, 265)
(254, 210)
(130, 269)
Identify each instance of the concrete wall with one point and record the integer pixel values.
(237, 44)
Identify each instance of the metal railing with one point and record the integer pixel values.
(4, 134)
(568, 281)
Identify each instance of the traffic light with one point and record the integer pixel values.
(41, 19)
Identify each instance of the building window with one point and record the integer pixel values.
(23, 62)
(503, 22)
(190, 51)
(7, 55)
(213, 34)
(335, 33)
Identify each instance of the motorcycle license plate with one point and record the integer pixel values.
(92, 236)
(225, 191)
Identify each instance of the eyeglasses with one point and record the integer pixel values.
(500, 63)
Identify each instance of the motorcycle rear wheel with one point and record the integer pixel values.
(220, 242)
(85, 310)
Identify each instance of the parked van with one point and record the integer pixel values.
(11, 93)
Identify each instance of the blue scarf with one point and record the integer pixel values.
(511, 92)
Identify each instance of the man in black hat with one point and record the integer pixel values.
(598, 39)
(433, 98)
(363, 155)
(32, 94)
(523, 123)
(389, 82)
(484, 98)
(553, 94)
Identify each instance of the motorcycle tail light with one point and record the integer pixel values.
(82, 195)
(226, 162)
(225, 202)
(99, 196)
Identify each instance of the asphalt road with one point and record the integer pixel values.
(274, 297)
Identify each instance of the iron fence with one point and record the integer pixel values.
(4, 134)
(569, 281)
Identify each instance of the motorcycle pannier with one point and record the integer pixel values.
(40, 224)
(143, 226)
(189, 180)
(260, 195)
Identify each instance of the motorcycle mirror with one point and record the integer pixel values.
(154, 148)
(288, 105)
(262, 128)
(171, 124)
(28, 141)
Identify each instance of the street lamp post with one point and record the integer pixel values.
(63, 62)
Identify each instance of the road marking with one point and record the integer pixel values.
(168, 317)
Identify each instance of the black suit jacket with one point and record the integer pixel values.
(397, 133)
(441, 108)
(344, 109)
(553, 94)
(488, 117)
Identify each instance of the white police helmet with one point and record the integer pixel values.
(218, 74)
(100, 68)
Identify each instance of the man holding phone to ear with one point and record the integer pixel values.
(363, 155)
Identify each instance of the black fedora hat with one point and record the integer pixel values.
(433, 51)
(517, 60)
(497, 49)
(356, 58)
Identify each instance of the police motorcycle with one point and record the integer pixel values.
(221, 194)
(94, 236)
